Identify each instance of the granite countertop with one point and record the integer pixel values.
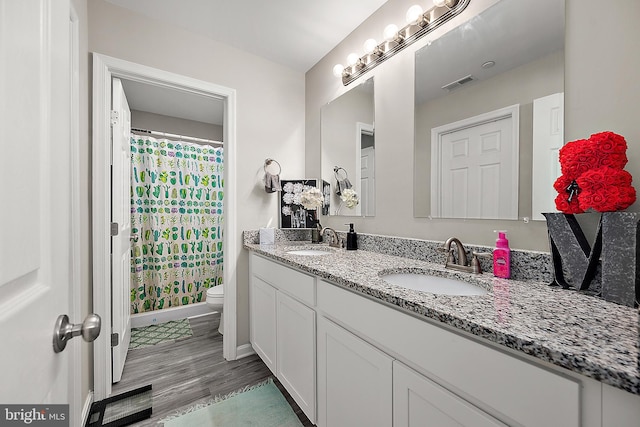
(582, 333)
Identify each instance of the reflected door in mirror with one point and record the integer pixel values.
(474, 167)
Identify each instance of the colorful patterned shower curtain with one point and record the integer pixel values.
(176, 210)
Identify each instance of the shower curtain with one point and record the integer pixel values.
(176, 211)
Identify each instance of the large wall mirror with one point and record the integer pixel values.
(348, 150)
(489, 114)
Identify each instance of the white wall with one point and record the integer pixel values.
(270, 108)
(601, 93)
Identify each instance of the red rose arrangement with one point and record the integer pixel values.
(593, 175)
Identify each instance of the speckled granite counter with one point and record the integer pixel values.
(578, 332)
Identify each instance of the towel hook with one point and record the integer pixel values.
(268, 162)
(336, 171)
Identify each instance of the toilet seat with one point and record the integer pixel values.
(215, 292)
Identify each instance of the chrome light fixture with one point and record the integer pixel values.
(418, 24)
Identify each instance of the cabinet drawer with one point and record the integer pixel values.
(295, 283)
(522, 392)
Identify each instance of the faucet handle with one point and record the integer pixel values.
(475, 262)
(481, 254)
(450, 257)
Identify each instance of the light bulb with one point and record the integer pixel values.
(413, 14)
(369, 46)
(439, 3)
(337, 70)
(352, 59)
(390, 32)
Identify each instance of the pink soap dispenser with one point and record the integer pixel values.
(502, 256)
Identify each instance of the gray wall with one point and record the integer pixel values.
(600, 94)
(544, 76)
(339, 147)
(175, 125)
(269, 110)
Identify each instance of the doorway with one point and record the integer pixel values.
(105, 69)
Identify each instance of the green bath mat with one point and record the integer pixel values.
(155, 334)
(259, 405)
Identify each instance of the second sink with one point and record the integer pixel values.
(433, 284)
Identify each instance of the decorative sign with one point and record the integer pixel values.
(292, 213)
(616, 245)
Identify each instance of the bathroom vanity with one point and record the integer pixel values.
(353, 349)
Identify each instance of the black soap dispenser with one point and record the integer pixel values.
(352, 239)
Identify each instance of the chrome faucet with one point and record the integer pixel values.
(460, 262)
(335, 240)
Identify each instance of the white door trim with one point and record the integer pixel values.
(512, 111)
(367, 129)
(75, 304)
(104, 68)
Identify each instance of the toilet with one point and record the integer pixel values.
(215, 300)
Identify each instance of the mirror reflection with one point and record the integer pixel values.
(485, 106)
(348, 151)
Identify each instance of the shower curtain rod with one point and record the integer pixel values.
(173, 135)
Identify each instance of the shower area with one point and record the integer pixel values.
(177, 218)
(177, 203)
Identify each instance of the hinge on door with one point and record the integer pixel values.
(115, 117)
(114, 229)
(115, 339)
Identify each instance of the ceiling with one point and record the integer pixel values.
(294, 33)
(483, 38)
(173, 103)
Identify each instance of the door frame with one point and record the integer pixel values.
(104, 69)
(512, 112)
(79, 404)
(366, 129)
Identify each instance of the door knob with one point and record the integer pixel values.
(64, 331)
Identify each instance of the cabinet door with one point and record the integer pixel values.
(263, 321)
(354, 380)
(296, 352)
(417, 401)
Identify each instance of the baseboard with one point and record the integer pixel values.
(86, 409)
(174, 313)
(244, 350)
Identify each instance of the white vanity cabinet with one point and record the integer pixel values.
(418, 401)
(377, 365)
(486, 381)
(354, 380)
(263, 321)
(283, 327)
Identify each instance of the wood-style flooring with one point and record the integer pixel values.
(192, 370)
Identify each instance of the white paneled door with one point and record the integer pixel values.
(36, 202)
(121, 229)
(476, 172)
(548, 138)
(367, 181)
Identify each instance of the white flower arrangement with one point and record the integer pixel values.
(350, 198)
(311, 198)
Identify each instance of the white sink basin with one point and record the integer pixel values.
(309, 252)
(433, 284)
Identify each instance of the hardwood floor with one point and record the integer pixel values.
(192, 370)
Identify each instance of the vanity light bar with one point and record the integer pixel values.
(396, 40)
